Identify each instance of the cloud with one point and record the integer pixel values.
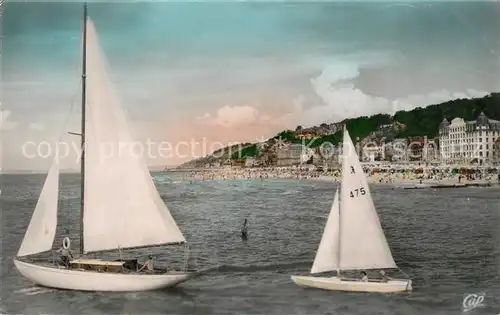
(412, 101)
(236, 116)
(5, 124)
(204, 117)
(36, 126)
(341, 99)
(335, 98)
(236, 124)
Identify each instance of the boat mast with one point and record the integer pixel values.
(84, 92)
(340, 212)
(338, 244)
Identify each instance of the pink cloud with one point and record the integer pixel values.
(236, 116)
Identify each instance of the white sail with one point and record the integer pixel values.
(122, 208)
(41, 230)
(362, 241)
(327, 258)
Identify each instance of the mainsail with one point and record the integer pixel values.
(362, 240)
(122, 208)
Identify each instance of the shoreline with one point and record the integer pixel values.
(407, 178)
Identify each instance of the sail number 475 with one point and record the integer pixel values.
(357, 192)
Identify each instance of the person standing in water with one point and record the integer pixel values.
(244, 230)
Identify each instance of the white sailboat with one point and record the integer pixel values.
(353, 239)
(120, 206)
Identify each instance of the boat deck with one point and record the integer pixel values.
(97, 262)
(101, 265)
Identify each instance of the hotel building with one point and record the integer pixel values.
(468, 141)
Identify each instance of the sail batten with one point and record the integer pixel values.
(39, 236)
(362, 241)
(327, 255)
(122, 207)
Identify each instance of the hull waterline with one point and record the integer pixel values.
(337, 284)
(62, 278)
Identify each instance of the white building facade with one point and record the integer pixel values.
(468, 141)
(293, 154)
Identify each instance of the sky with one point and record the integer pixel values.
(238, 72)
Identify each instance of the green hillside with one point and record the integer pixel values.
(419, 121)
(425, 121)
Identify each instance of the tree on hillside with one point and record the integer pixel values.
(249, 151)
(286, 135)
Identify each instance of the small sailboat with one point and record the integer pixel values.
(120, 206)
(353, 239)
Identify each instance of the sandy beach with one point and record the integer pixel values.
(396, 176)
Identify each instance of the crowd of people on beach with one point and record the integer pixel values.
(374, 174)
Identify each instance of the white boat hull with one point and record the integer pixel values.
(338, 284)
(62, 278)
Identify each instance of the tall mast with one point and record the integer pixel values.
(339, 242)
(84, 93)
